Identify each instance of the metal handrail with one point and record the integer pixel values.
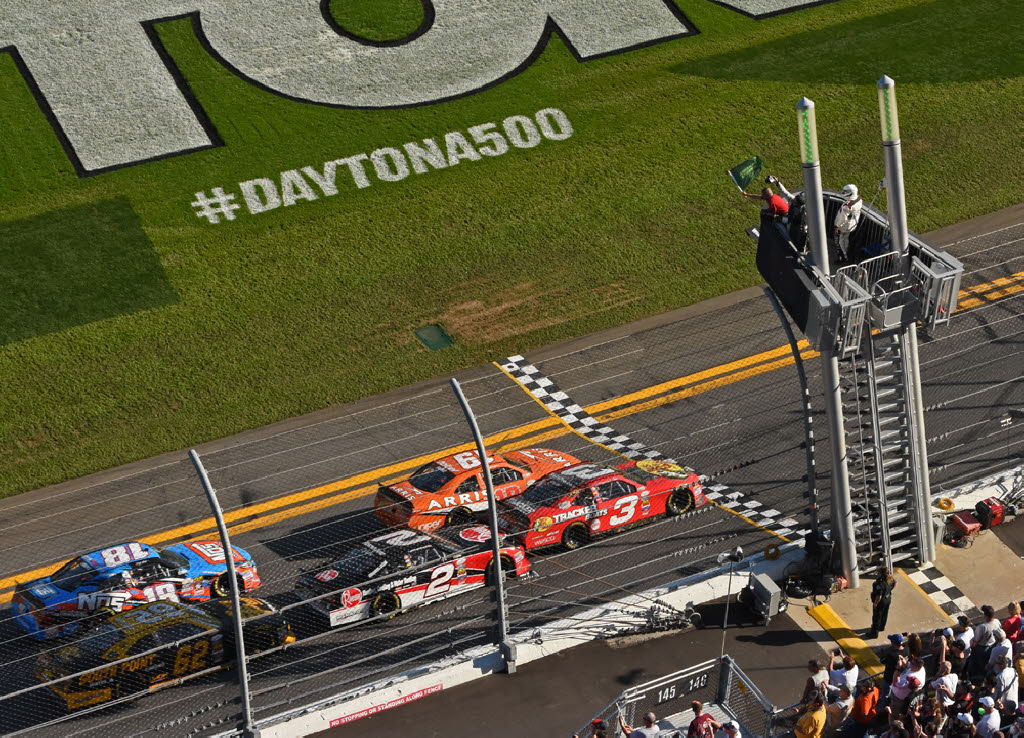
(639, 691)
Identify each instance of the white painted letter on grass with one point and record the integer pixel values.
(116, 100)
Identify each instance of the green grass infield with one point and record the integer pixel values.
(129, 326)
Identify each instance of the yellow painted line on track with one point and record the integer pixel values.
(299, 503)
(990, 297)
(849, 641)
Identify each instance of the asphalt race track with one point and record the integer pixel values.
(712, 386)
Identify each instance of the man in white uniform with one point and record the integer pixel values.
(848, 217)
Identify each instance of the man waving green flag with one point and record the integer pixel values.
(743, 174)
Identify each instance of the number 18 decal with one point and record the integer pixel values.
(118, 555)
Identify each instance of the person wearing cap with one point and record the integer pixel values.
(1001, 649)
(774, 204)
(812, 723)
(1006, 683)
(839, 710)
(909, 681)
(989, 722)
(881, 598)
(962, 726)
(945, 682)
(649, 730)
(894, 659)
(732, 729)
(915, 698)
(846, 223)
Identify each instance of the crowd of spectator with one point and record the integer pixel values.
(963, 683)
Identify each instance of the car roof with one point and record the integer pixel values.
(130, 624)
(95, 558)
(584, 474)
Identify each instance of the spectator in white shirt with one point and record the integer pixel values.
(989, 722)
(1001, 649)
(1006, 684)
(965, 633)
(945, 683)
(846, 674)
(848, 217)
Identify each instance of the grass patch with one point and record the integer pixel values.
(307, 306)
(76, 266)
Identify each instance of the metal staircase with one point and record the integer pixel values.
(862, 312)
(881, 450)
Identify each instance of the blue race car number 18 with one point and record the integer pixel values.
(124, 554)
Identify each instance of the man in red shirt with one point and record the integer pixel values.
(773, 203)
(703, 725)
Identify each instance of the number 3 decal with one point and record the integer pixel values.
(624, 508)
(440, 580)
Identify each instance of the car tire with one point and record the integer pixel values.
(221, 586)
(679, 501)
(507, 565)
(386, 604)
(575, 536)
(459, 516)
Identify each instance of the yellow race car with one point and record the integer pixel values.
(152, 646)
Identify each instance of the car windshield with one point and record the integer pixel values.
(359, 565)
(548, 491)
(99, 639)
(431, 478)
(638, 475)
(174, 560)
(176, 632)
(72, 574)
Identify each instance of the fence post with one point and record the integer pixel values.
(248, 731)
(724, 680)
(508, 649)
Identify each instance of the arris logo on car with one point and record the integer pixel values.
(140, 109)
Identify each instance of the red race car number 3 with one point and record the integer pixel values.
(624, 509)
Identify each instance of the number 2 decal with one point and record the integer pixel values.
(624, 508)
(440, 580)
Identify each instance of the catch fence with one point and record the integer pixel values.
(711, 389)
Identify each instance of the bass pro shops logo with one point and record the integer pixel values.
(115, 97)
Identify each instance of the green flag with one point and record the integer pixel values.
(745, 173)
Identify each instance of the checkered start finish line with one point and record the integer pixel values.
(574, 416)
(545, 391)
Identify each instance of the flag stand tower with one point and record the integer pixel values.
(860, 310)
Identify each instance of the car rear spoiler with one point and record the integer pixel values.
(22, 590)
